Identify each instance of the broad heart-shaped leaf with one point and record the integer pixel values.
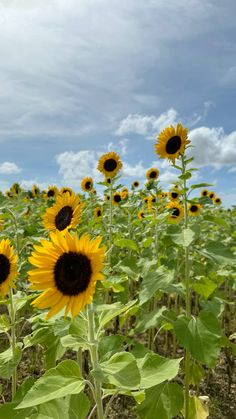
(126, 243)
(185, 238)
(9, 361)
(151, 319)
(74, 342)
(155, 369)
(153, 281)
(163, 401)
(205, 287)
(58, 382)
(109, 311)
(201, 336)
(218, 253)
(197, 408)
(121, 370)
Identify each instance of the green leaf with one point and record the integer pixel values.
(9, 361)
(200, 185)
(215, 220)
(219, 253)
(58, 382)
(149, 320)
(197, 408)
(163, 401)
(154, 281)
(121, 370)
(79, 406)
(185, 238)
(204, 287)
(126, 243)
(110, 311)
(110, 345)
(201, 336)
(7, 410)
(196, 374)
(74, 342)
(4, 323)
(155, 369)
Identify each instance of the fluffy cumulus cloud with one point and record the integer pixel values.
(146, 125)
(9, 168)
(28, 183)
(74, 166)
(212, 147)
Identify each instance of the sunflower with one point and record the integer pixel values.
(108, 180)
(217, 200)
(51, 192)
(8, 266)
(117, 198)
(9, 194)
(124, 193)
(15, 188)
(146, 199)
(87, 184)
(176, 212)
(109, 164)
(67, 269)
(107, 197)
(174, 195)
(35, 191)
(64, 214)
(152, 174)
(65, 190)
(135, 184)
(98, 212)
(141, 214)
(194, 209)
(171, 142)
(212, 195)
(204, 193)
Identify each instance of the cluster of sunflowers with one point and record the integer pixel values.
(66, 267)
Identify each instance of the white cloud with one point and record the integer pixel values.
(146, 125)
(9, 168)
(212, 147)
(28, 183)
(74, 166)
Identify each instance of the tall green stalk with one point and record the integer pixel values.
(187, 291)
(94, 359)
(12, 315)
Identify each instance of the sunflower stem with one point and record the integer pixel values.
(12, 315)
(187, 293)
(94, 359)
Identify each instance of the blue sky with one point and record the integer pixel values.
(80, 77)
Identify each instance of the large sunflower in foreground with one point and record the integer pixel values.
(176, 212)
(109, 164)
(87, 184)
(67, 269)
(171, 142)
(64, 214)
(8, 266)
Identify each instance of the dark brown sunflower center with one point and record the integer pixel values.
(175, 212)
(142, 214)
(50, 193)
(193, 208)
(174, 195)
(63, 218)
(136, 184)
(204, 193)
(153, 175)
(4, 268)
(108, 180)
(99, 213)
(153, 200)
(117, 198)
(217, 200)
(211, 195)
(173, 144)
(110, 165)
(87, 185)
(72, 273)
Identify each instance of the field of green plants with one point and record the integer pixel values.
(118, 301)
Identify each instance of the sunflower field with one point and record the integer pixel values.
(119, 301)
